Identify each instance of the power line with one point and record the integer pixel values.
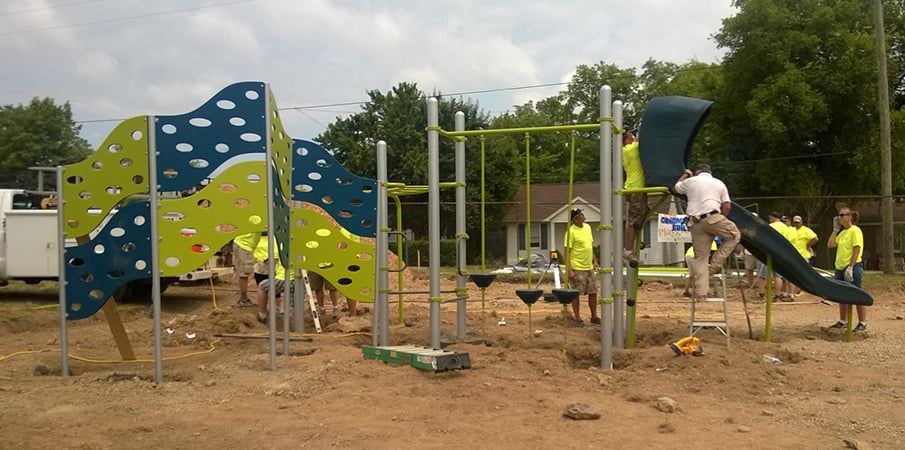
(321, 106)
(781, 158)
(48, 8)
(123, 19)
(451, 94)
(98, 120)
(358, 103)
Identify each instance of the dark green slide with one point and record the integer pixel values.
(669, 127)
(667, 132)
(761, 240)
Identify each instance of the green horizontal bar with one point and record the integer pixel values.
(579, 127)
(646, 190)
(408, 190)
(663, 269)
(403, 189)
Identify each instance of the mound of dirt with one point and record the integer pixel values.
(219, 390)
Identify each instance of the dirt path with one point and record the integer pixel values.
(220, 393)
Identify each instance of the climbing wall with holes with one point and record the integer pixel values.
(334, 248)
(282, 164)
(320, 180)
(211, 163)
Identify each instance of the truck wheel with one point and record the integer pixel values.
(141, 289)
(123, 294)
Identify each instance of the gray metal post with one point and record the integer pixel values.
(606, 235)
(271, 237)
(618, 202)
(298, 298)
(154, 204)
(433, 221)
(287, 300)
(61, 246)
(382, 276)
(461, 242)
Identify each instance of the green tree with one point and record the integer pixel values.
(799, 98)
(550, 151)
(38, 134)
(399, 117)
(894, 19)
(583, 92)
(701, 80)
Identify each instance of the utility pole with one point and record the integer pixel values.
(885, 146)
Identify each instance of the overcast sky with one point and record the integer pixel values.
(114, 59)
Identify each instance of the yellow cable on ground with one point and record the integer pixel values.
(5, 357)
(213, 294)
(171, 358)
(102, 361)
(56, 305)
(354, 333)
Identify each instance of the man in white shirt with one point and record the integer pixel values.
(708, 206)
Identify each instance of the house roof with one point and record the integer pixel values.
(870, 212)
(549, 200)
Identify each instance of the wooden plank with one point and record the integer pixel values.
(118, 330)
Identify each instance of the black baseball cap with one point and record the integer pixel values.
(575, 212)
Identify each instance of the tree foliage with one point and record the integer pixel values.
(399, 117)
(795, 111)
(798, 103)
(38, 134)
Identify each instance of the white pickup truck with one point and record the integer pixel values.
(29, 249)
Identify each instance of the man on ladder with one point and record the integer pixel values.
(708, 206)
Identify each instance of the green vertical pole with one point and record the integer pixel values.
(769, 298)
(528, 201)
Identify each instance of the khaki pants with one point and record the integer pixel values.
(702, 235)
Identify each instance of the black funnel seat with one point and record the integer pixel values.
(529, 296)
(482, 280)
(667, 131)
(549, 297)
(565, 296)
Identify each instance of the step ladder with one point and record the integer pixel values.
(701, 321)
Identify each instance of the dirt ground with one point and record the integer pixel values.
(220, 392)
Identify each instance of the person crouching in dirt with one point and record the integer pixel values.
(261, 254)
(689, 263)
(318, 286)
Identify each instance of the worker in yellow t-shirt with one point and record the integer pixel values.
(689, 257)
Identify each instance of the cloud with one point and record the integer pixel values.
(169, 56)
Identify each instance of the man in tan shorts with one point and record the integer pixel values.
(244, 259)
(318, 286)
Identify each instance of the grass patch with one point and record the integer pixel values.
(879, 280)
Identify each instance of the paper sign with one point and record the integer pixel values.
(672, 228)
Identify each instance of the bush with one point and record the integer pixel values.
(422, 247)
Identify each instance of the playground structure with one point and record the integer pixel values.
(233, 165)
(240, 172)
(611, 298)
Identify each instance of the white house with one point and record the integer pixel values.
(550, 218)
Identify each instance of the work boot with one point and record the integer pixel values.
(628, 258)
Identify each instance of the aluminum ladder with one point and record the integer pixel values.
(707, 321)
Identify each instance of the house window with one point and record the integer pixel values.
(538, 236)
